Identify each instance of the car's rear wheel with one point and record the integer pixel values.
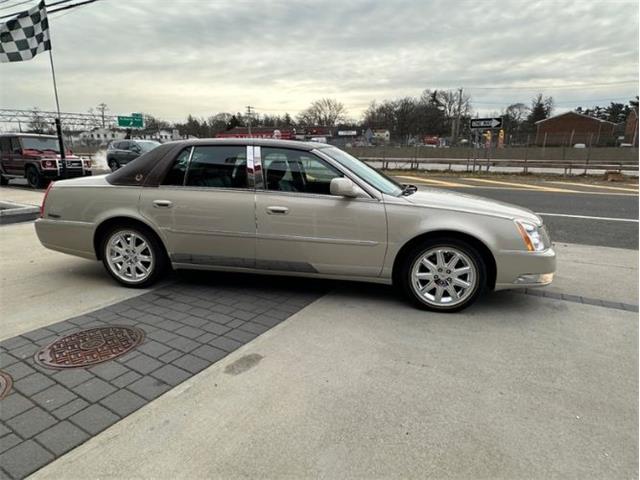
(35, 178)
(133, 256)
(444, 275)
(114, 165)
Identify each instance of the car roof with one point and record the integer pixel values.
(261, 142)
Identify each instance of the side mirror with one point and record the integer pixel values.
(343, 187)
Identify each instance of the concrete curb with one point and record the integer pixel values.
(12, 212)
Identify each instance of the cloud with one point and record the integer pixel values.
(173, 57)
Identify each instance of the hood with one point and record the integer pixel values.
(447, 199)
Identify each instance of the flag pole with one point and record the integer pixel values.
(63, 163)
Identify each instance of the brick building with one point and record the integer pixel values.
(571, 127)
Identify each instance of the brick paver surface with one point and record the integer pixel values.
(187, 326)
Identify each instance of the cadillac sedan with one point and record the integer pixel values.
(293, 208)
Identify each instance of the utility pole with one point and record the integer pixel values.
(457, 126)
(249, 116)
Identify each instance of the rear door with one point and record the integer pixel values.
(302, 227)
(205, 208)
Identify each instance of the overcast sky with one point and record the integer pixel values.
(174, 57)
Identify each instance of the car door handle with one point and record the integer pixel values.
(162, 203)
(277, 210)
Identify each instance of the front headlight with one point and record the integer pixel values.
(531, 236)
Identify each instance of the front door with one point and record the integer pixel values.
(205, 208)
(302, 227)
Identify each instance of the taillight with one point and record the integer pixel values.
(44, 199)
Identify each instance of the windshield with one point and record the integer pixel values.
(40, 143)
(147, 146)
(369, 174)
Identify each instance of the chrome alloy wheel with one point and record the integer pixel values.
(129, 256)
(444, 276)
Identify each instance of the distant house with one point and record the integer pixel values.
(570, 128)
(631, 128)
(381, 135)
(160, 136)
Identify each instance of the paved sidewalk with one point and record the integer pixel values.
(359, 385)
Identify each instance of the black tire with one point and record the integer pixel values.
(4, 180)
(158, 252)
(404, 277)
(35, 178)
(114, 165)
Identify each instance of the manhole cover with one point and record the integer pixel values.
(5, 384)
(89, 347)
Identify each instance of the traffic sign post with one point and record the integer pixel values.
(495, 122)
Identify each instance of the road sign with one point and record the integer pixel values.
(136, 115)
(495, 122)
(134, 121)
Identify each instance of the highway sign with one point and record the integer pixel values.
(134, 121)
(495, 122)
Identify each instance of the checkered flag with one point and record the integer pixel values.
(25, 36)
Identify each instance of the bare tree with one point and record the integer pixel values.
(326, 112)
(38, 123)
(102, 110)
(455, 105)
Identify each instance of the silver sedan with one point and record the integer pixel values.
(293, 208)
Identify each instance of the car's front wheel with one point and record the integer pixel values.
(133, 256)
(444, 275)
(34, 178)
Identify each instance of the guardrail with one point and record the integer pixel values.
(484, 165)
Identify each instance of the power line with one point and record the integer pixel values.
(16, 5)
(66, 7)
(576, 86)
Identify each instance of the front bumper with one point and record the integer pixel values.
(520, 269)
(71, 173)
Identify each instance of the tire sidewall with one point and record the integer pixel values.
(406, 283)
(160, 261)
(34, 178)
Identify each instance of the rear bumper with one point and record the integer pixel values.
(74, 238)
(525, 269)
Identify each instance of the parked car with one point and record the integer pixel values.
(296, 208)
(37, 158)
(121, 152)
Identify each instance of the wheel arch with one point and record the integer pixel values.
(108, 223)
(481, 246)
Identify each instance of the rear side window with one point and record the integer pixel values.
(218, 167)
(176, 175)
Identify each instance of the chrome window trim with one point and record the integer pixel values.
(186, 172)
(373, 194)
(205, 189)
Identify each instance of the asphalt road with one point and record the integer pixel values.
(611, 209)
(586, 231)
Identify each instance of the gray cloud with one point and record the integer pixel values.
(170, 58)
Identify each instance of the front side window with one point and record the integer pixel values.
(218, 167)
(296, 171)
(364, 171)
